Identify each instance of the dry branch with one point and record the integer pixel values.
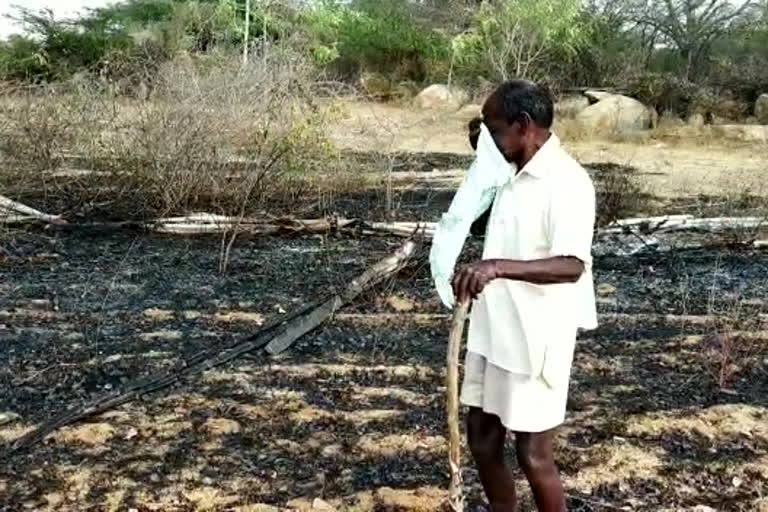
(13, 212)
(209, 223)
(277, 337)
(456, 491)
(367, 279)
(680, 223)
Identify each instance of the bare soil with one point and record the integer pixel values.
(353, 413)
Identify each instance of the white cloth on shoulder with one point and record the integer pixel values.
(488, 173)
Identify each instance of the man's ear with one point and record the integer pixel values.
(525, 122)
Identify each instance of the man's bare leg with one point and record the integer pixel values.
(536, 458)
(486, 442)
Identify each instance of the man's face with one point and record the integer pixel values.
(509, 138)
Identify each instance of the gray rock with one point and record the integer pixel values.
(617, 114)
(570, 106)
(742, 132)
(440, 97)
(595, 96)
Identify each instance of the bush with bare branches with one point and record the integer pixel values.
(215, 136)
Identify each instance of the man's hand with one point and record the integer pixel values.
(472, 279)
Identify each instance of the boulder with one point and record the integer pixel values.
(570, 106)
(742, 132)
(617, 114)
(761, 109)
(595, 96)
(440, 97)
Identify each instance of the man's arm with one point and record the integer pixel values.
(471, 280)
(560, 269)
(571, 220)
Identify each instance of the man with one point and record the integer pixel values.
(530, 293)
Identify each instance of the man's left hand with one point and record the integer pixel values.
(470, 281)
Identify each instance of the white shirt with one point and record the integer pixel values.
(546, 210)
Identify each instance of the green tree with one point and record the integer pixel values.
(519, 39)
(692, 27)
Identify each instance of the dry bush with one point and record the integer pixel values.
(215, 137)
(734, 341)
(620, 193)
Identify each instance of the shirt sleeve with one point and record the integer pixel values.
(572, 220)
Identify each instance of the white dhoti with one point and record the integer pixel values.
(523, 404)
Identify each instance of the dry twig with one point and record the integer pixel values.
(456, 491)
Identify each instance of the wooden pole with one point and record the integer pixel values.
(456, 488)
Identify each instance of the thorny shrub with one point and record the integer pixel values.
(214, 136)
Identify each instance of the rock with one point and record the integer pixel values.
(440, 97)
(703, 508)
(741, 132)
(8, 417)
(569, 106)
(761, 109)
(616, 114)
(595, 96)
(221, 426)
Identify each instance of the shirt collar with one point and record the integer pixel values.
(538, 166)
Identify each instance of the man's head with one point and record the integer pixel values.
(519, 115)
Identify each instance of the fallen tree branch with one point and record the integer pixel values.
(277, 337)
(456, 488)
(653, 225)
(367, 279)
(14, 212)
(208, 223)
